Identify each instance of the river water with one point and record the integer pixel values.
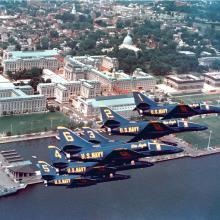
(173, 190)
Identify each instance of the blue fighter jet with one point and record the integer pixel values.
(79, 149)
(91, 169)
(142, 130)
(52, 177)
(147, 107)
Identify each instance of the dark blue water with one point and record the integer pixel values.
(181, 189)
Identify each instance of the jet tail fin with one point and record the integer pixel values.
(70, 142)
(142, 102)
(47, 171)
(94, 137)
(58, 157)
(111, 119)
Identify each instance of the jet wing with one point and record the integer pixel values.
(180, 111)
(100, 170)
(121, 155)
(154, 129)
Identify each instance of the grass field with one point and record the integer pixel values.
(200, 139)
(214, 98)
(32, 123)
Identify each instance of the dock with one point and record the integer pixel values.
(15, 173)
(25, 137)
(189, 151)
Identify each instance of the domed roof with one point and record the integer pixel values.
(128, 40)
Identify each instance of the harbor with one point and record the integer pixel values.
(16, 173)
(24, 137)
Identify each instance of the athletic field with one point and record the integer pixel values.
(200, 139)
(32, 123)
(212, 98)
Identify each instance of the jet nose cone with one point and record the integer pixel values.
(198, 127)
(178, 150)
(215, 109)
(203, 127)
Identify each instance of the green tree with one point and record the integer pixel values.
(54, 34)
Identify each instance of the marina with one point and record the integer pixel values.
(16, 173)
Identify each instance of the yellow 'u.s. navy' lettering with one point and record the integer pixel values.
(76, 169)
(61, 181)
(158, 111)
(129, 129)
(92, 155)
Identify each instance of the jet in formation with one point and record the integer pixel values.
(91, 158)
(147, 107)
(140, 130)
(79, 162)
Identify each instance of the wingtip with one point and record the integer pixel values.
(61, 127)
(52, 146)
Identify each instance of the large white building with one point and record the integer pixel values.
(104, 70)
(128, 44)
(212, 78)
(184, 82)
(19, 60)
(122, 104)
(62, 90)
(20, 100)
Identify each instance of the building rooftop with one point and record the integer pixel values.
(16, 93)
(3, 79)
(214, 75)
(55, 78)
(111, 101)
(32, 54)
(183, 78)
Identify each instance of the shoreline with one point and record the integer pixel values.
(188, 152)
(26, 137)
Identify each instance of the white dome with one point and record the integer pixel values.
(128, 40)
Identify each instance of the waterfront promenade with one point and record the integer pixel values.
(25, 137)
